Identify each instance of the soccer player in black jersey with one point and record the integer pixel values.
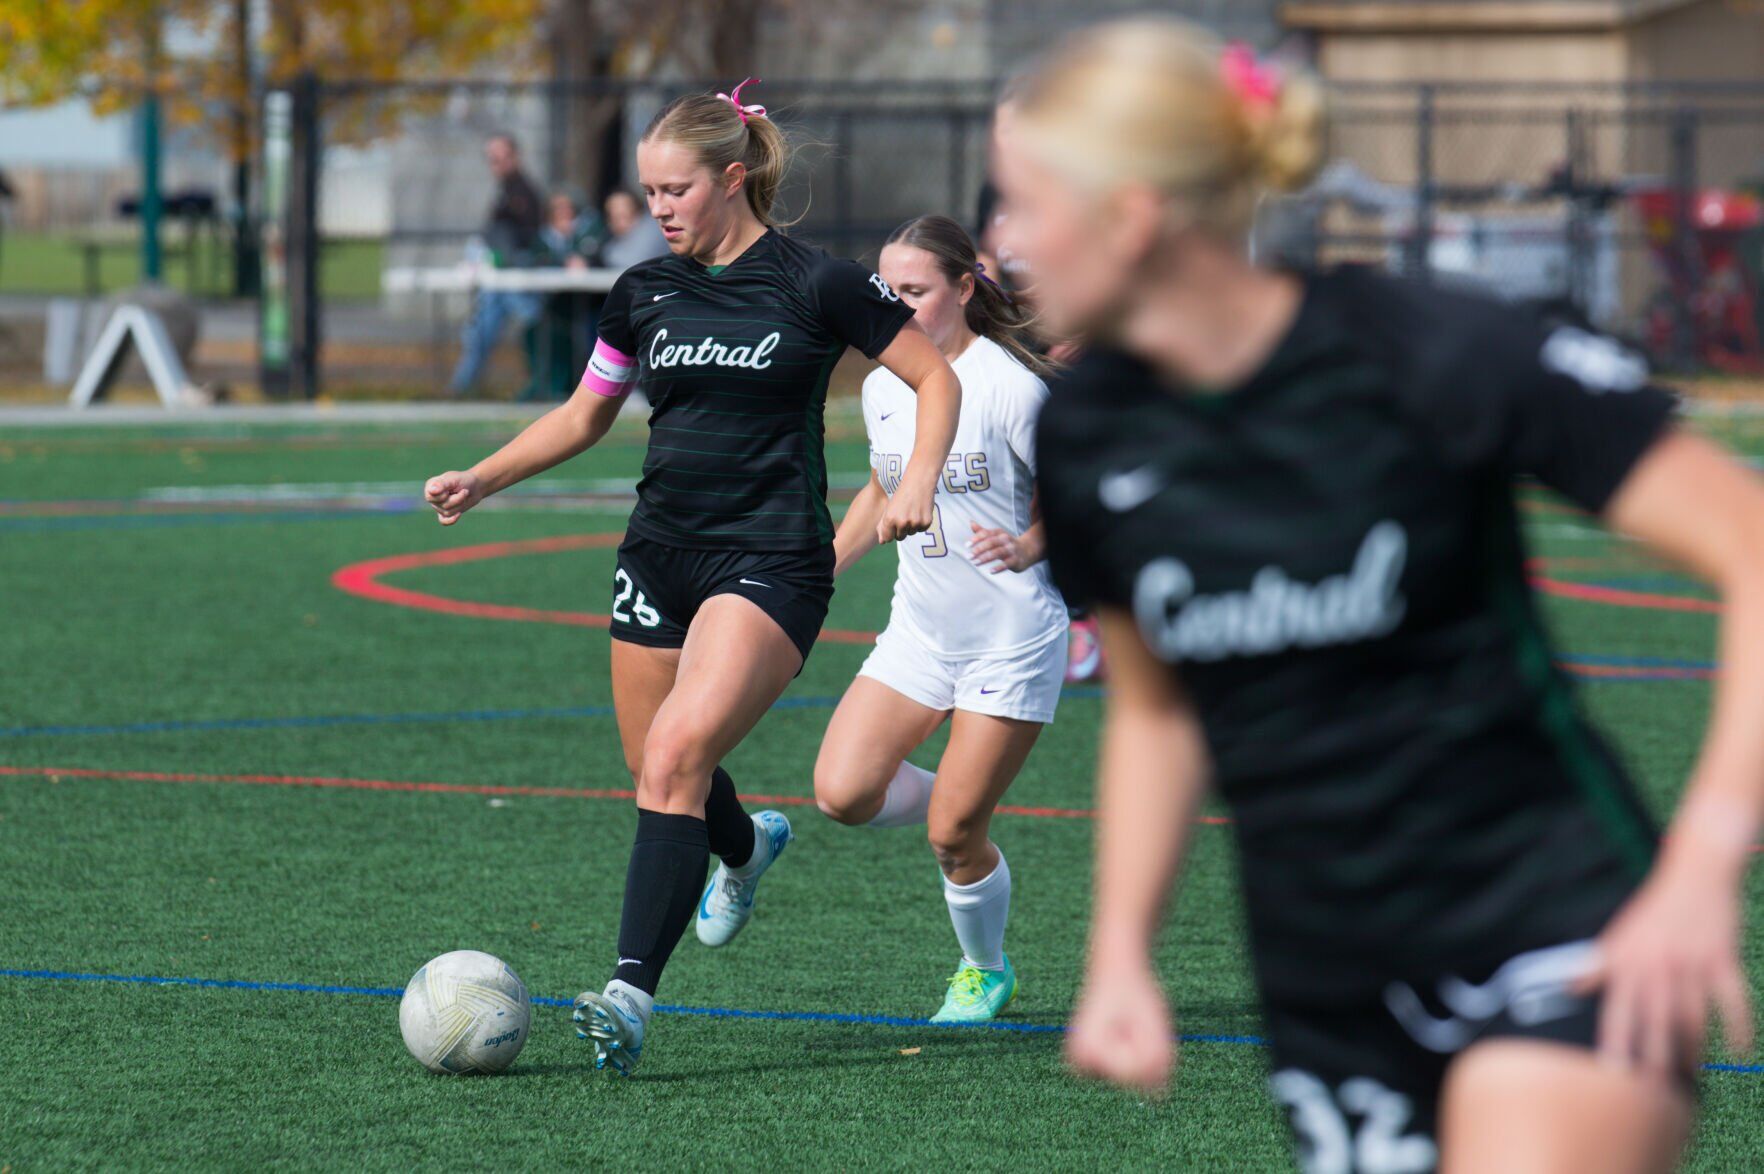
(1290, 499)
(726, 570)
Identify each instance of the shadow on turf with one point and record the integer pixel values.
(848, 1052)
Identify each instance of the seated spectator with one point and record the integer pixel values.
(571, 238)
(633, 234)
(560, 339)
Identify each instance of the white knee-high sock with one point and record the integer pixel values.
(979, 912)
(908, 798)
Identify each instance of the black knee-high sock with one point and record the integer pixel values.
(731, 831)
(662, 884)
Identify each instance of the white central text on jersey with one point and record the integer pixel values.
(711, 353)
(1276, 613)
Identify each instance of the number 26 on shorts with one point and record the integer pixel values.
(640, 607)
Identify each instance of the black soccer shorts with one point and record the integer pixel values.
(658, 589)
(1360, 1082)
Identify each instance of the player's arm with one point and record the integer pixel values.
(565, 431)
(1007, 551)
(856, 536)
(1672, 954)
(915, 359)
(1152, 777)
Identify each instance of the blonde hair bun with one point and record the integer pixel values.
(1160, 101)
(1286, 141)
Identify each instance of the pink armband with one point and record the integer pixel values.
(610, 371)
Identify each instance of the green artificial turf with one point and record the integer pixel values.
(123, 611)
(55, 264)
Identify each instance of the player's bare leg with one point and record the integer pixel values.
(1535, 1107)
(642, 678)
(733, 666)
(863, 757)
(983, 757)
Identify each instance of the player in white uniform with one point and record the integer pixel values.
(977, 629)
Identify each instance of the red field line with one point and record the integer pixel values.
(1618, 597)
(354, 784)
(363, 579)
(56, 773)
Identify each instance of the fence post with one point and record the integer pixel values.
(1686, 255)
(958, 164)
(303, 239)
(1417, 263)
(842, 181)
(1574, 174)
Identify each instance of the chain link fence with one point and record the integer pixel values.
(1633, 208)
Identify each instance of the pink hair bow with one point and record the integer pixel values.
(1255, 84)
(735, 101)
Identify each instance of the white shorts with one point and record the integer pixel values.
(1025, 686)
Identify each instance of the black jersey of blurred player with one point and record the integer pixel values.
(735, 361)
(1329, 557)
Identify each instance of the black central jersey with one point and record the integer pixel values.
(1329, 558)
(735, 361)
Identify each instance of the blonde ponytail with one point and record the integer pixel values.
(719, 131)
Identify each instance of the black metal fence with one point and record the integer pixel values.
(1633, 207)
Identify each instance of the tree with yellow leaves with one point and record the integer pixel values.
(202, 62)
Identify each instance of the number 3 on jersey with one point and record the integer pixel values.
(935, 546)
(644, 613)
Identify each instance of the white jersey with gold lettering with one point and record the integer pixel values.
(952, 606)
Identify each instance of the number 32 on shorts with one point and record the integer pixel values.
(1328, 1141)
(640, 607)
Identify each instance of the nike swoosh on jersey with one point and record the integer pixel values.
(987, 692)
(885, 415)
(669, 294)
(755, 583)
(1124, 490)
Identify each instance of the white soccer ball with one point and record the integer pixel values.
(465, 1012)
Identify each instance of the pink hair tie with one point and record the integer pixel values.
(735, 101)
(1256, 85)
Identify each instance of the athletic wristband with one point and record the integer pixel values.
(610, 371)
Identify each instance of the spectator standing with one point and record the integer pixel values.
(512, 235)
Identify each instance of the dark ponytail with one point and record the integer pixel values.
(991, 312)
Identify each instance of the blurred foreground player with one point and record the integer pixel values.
(1290, 499)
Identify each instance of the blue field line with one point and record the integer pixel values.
(1658, 583)
(145, 521)
(666, 1008)
(1089, 692)
(1653, 662)
(544, 1001)
(377, 719)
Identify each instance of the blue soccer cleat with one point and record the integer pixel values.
(727, 904)
(615, 1025)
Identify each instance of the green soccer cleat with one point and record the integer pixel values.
(976, 995)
